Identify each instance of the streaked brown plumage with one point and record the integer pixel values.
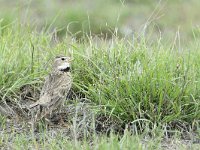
(55, 89)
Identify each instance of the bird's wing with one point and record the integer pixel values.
(55, 100)
(44, 100)
(46, 85)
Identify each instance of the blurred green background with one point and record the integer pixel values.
(106, 17)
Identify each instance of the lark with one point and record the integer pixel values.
(55, 89)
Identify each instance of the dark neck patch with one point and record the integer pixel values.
(66, 69)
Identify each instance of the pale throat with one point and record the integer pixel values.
(64, 67)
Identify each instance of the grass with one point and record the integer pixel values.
(58, 139)
(149, 86)
(132, 81)
(140, 84)
(58, 142)
(85, 17)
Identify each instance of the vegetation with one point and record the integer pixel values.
(148, 84)
(142, 85)
(94, 17)
(58, 141)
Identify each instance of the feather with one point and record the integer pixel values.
(56, 86)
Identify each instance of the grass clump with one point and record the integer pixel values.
(142, 85)
(142, 82)
(132, 81)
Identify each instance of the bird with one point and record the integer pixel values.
(55, 89)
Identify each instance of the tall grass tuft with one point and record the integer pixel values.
(140, 81)
(131, 81)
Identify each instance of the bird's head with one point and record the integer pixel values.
(62, 63)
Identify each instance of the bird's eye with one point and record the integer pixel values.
(62, 58)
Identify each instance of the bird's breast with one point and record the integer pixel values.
(63, 81)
